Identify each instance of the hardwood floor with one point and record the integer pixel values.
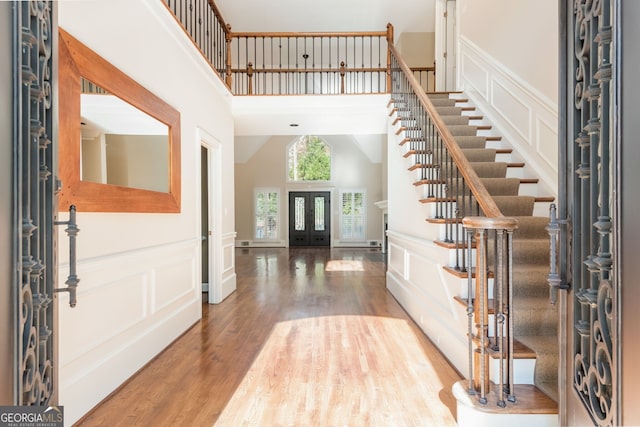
(311, 337)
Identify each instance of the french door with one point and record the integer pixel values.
(309, 218)
(588, 210)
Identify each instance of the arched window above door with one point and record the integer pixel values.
(309, 159)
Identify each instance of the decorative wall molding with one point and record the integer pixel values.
(131, 305)
(416, 279)
(520, 113)
(228, 279)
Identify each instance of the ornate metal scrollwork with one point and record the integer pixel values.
(34, 103)
(594, 344)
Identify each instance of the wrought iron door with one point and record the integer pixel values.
(309, 219)
(589, 391)
(34, 163)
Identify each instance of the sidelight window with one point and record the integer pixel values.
(267, 213)
(352, 215)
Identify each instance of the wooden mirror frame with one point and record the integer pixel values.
(75, 61)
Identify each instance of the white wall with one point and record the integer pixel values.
(140, 273)
(351, 169)
(521, 35)
(417, 49)
(415, 275)
(508, 67)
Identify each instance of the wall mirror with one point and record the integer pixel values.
(119, 143)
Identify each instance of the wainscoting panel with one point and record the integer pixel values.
(526, 119)
(396, 260)
(546, 133)
(131, 305)
(173, 281)
(121, 303)
(512, 108)
(426, 292)
(475, 74)
(228, 281)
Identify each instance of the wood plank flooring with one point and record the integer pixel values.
(311, 337)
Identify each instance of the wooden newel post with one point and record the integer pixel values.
(481, 315)
(389, 44)
(250, 78)
(228, 38)
(434, 75)
(343, 71)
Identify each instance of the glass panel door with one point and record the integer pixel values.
(309, 218)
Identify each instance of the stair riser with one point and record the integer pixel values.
(523, 370)
(467, 417)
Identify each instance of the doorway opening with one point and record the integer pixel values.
(204, 216)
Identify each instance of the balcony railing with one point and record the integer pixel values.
(291, 63)
(309, 63)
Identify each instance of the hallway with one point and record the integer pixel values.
(310, 337)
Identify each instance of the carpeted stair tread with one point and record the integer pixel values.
(443, 102)
(502, 186)
(531, 281)
(463, 130)
(495, 186)
(438, 95)
(546, 369)
(490, 170)
(550, 388)
(532, 227)
(449, 111)
(455, 120)
(527, 252)
(515, 205)
(471, 141)
(480, 154)
(534, 316)
(531, 251)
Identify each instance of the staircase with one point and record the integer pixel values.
(503, 175)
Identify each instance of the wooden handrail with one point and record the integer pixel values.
(255, 70)
(216, 12)
(390, 36)
(275, 34)
(484, 199)
(413, 69)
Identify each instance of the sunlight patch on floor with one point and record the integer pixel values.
(340, 370)
(344, 265)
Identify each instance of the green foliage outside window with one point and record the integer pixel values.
(310, 160)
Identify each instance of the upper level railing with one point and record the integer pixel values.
(309, 63)
(291, 63)
(205, 26)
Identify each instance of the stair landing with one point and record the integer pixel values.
(532, 408)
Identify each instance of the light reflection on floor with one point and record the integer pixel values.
(340, 370)
(344, 265)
